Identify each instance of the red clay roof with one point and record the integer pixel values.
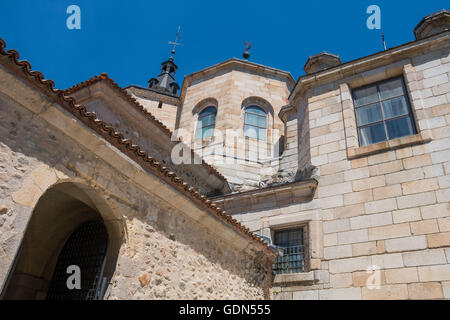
(104, 77)
(36, 78)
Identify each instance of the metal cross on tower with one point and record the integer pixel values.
(175, 43)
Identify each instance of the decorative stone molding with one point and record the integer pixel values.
(433, 24)
(304, 278)
(233, 64)
(357, 67)
(321, 61)
(148, 93)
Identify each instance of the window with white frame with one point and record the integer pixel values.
(255, 123)
(206, 122)
(383, 112)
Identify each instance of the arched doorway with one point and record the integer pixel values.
(66, 229)
(86, 250)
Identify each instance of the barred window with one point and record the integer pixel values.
(292, 244)
(255, 122)
(206, 123)
(383, 112)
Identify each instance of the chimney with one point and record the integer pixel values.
(433, 24)
(321, 61)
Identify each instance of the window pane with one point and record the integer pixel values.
(255, 110)
(392, 88)
(399, 127)
(250, 131)
(289, 238)
(395, 107)
(366, 115)
(206, 111)
(261, 134)
(255, 120)
(208, 132)
(365, 96)
(208, 120)
(372, 134)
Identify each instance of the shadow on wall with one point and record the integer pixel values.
(59, 212)
(26, 143)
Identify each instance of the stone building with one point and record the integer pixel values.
(345, 171)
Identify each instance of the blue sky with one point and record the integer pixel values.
(128, 39)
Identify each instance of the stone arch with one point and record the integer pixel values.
(260, 102)
(59, 211)
(204, 103)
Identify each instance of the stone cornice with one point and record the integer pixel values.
(148, 93)
(303, 188)
(284, 112)
(235, 63)
(366, 63)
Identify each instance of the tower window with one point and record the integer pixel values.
(205, 124)
(255, 124)
(383, 112)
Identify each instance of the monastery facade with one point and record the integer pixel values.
(240, 184)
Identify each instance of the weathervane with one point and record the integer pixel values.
(175, 43)
(246, 54)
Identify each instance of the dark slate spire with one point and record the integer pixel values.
(165, 83)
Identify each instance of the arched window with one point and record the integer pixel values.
(255, 124)
(205, 124)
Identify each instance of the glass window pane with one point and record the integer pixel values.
(395, 107)
(399, 127)
(208, 120)
(205, 123)
(365, 96)
(369, 114)
(261, 134)
(199, 124)
(255, 120)
(372, 134)
(250, 131)
(255, 110)
(208, 132)
(392, 88)
(206, 111)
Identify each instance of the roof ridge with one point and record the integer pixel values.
(104, 77)
(124, 145)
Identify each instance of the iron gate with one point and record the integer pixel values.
(85, 248)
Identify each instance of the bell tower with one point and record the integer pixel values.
(165, 83)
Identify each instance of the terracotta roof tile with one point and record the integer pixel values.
(138, 106)
(36, 78)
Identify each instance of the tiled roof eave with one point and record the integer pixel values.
(36, 79)
(149, 116)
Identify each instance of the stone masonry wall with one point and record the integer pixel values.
(167, 114)
(389, 209)
(164, 255)
(251, 160)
